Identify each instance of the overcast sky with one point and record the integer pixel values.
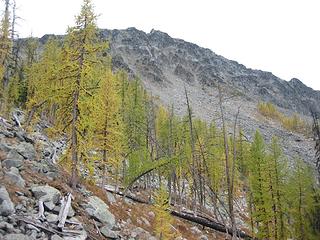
(280, 36)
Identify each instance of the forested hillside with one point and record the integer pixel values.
(119, 136)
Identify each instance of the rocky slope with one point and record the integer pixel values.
(30, 178)
(167, 65)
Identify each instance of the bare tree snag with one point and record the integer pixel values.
(193, 167)
(227, 166)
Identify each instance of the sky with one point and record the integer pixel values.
(279, 36)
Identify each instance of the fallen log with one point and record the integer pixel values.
(16, 120)
(135, 199)
(204, 221)
(65, 207)
(210, 224)
(45, 227)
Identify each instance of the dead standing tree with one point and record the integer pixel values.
(316, 135)
(229, 166)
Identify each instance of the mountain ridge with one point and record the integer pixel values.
(195, 63)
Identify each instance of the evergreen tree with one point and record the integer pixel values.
(108, 130)
(43, 82)
(82, 71)
(258, 180)
(163, 219)
(135, 122)
(277, 185)
(5, 54)
(301, 196)
(5, 44)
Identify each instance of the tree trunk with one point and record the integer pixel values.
(193, 167)
(227, 167)
(74, 140)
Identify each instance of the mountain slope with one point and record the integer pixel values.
(157, 57)
(167, 65)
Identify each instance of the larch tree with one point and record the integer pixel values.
(109, 128)
(5, 43)
(134, 116)
(5, 53)
(276, 169)
(163, 219)
(301, 201)
(82, 71)
(43, 83)
(258, 181)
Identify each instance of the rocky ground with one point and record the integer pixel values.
(30, 179)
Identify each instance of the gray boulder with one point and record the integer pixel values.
(16, 236)
(26, 150)
(98, 209)
(203, 237)
(140, 233)
(14, 159)
(14, 176)
(6, 205)
(108, 233)
(7, 227)
(83, 236)
(110, 197)
(49, 195)
(51, 218)
(56, 237)
(4, 147)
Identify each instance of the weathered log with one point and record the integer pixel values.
(210, 224)
(45, 227)
(63, 204)
(204, 221)
(16, 120)
(135, 199)
(64, 211)
(41, 210)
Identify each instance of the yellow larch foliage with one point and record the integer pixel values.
(108, 124)
(163, 219)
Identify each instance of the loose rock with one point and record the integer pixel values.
(16, 236)
(49, 195)
(108, 233)
(99, 210)
(6, 205)
(14, 176)
(26, 150)
(14, 159)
